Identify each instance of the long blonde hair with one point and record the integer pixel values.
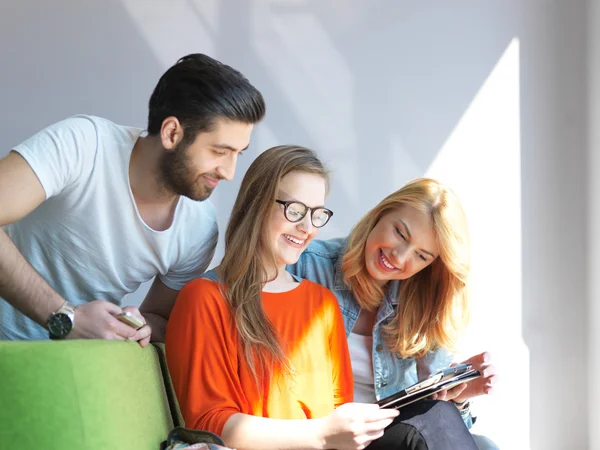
(248, 258)
(433, 304)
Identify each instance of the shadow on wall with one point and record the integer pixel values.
(67, 57)
(376, 87)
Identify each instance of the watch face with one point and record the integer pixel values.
(60, 325)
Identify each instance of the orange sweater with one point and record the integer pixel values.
(212, 379)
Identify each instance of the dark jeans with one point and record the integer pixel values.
(426, 425)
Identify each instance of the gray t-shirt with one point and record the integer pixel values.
(88, 240)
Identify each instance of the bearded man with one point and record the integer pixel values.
(89, 209)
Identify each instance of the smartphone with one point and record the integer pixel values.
(129, 319)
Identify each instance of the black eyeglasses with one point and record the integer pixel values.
(295, 212)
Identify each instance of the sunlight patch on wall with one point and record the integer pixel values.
(189, 20)
(481, 161)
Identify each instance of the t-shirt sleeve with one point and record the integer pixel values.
(195, 263)
(62, 153)
(202, 351)
(343, 381)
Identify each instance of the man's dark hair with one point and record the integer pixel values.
(198, 90)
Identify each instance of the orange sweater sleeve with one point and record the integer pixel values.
(343, 381)
(202, 354)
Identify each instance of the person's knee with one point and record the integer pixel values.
(430, 408)
(484, 443)
(440, 425)
(446, 407)
(445, 410)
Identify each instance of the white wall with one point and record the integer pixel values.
(487, 96)
(593, 136)
(554, 201)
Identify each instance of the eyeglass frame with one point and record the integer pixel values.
(308, 208)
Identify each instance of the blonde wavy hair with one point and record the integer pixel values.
(434, 304)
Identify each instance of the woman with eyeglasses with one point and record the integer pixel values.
(254, 351)
(401, 280)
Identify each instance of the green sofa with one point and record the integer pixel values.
(86, 395)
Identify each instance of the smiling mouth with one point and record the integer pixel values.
(294, 240)
(212, 182)
(386, 262)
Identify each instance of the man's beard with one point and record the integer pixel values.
(177, 176)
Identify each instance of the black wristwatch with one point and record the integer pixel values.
(61, 322)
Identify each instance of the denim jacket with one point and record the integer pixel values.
(321, 262)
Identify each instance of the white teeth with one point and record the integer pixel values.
(294, 240)
(385, 262)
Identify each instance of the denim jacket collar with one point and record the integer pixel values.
(339, 275)
(392, 291)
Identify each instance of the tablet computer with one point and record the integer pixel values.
(444, 379)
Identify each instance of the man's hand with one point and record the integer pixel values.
(96, 320)
(142, 335)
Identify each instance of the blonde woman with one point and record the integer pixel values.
(257, 355)
(401, 280)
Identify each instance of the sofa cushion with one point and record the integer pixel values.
(82, 394)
